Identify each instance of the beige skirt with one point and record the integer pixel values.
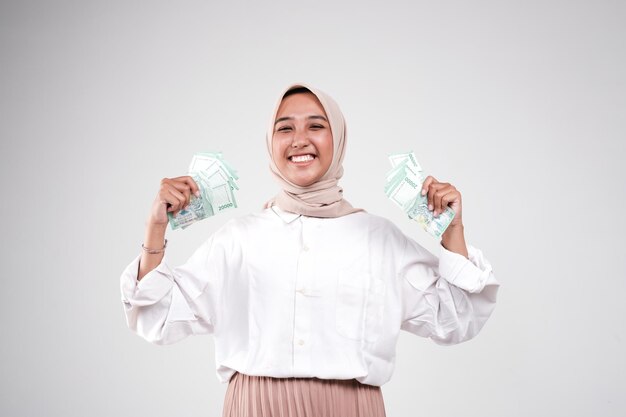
(264, 396)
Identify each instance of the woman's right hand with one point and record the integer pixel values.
(173, 196)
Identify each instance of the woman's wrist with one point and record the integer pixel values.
(154, 236)
(152, 223)
(154, 240)
(453, 239)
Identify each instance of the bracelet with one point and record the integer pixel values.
(154, 251)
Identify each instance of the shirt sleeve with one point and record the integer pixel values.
(171, 303)
(449, 298)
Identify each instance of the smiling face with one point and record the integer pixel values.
(302, 143)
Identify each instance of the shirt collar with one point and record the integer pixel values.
(285, 216)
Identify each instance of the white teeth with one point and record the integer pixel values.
(302, 158)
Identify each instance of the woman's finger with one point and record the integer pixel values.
(432, 190)
(183, 188)
(449, 195)
(169, 200)
(438, 194)
(426, 188)
(194, 186)
(429, 179)
(178, 200)
(189, 181)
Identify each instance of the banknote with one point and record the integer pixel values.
(404, 186)
(405, 158)
(404, 166)
(220, 190)
(403, 192)
(216, 180)
(419, 212)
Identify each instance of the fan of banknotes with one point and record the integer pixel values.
(216, 180)
(404, 186)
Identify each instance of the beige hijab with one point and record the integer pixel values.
(323, 198)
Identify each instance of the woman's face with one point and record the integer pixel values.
(302, 144)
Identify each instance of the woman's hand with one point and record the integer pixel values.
(442, 195)
(173, 196)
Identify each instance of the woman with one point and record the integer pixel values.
(306, 299)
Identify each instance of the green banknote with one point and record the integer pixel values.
(404, 186)
(217, 182)
(419, 212)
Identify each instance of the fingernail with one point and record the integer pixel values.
(430, 207)
(197, 193)
(423, 191)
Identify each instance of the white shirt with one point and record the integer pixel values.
(286, 295)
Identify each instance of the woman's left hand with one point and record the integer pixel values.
(442, 195)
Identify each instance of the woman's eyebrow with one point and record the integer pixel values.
(315, 116)
(318, 117)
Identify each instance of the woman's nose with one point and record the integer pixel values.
(299, 139)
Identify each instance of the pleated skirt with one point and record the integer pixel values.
(264, 396)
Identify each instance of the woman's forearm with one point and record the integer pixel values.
(453, 239)
(154, 238)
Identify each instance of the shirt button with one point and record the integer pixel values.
(300, 342)
(305, 248)
(300, 290)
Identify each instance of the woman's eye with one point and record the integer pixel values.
(317, 127)
(283, 128)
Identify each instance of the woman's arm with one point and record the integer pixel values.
(449, 298)
(154, 239)
(166, 306)
(174, 195)
(171, 303)
(453, 239)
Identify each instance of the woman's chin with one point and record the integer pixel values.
(303, 181)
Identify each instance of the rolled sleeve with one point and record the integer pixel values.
(448, 299)
(471, 274)
(155, 285)
(169, 304)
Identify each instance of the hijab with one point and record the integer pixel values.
(323, 198)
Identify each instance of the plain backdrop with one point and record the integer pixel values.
(519, 104)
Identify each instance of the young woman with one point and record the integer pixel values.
(306, 298)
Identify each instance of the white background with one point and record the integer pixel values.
(519, 104)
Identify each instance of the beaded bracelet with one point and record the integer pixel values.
(154, 251)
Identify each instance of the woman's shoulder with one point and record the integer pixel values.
(375, 220)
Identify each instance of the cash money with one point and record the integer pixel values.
(216, 180)
(404, 188)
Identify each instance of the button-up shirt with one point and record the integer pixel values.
(286, 295)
